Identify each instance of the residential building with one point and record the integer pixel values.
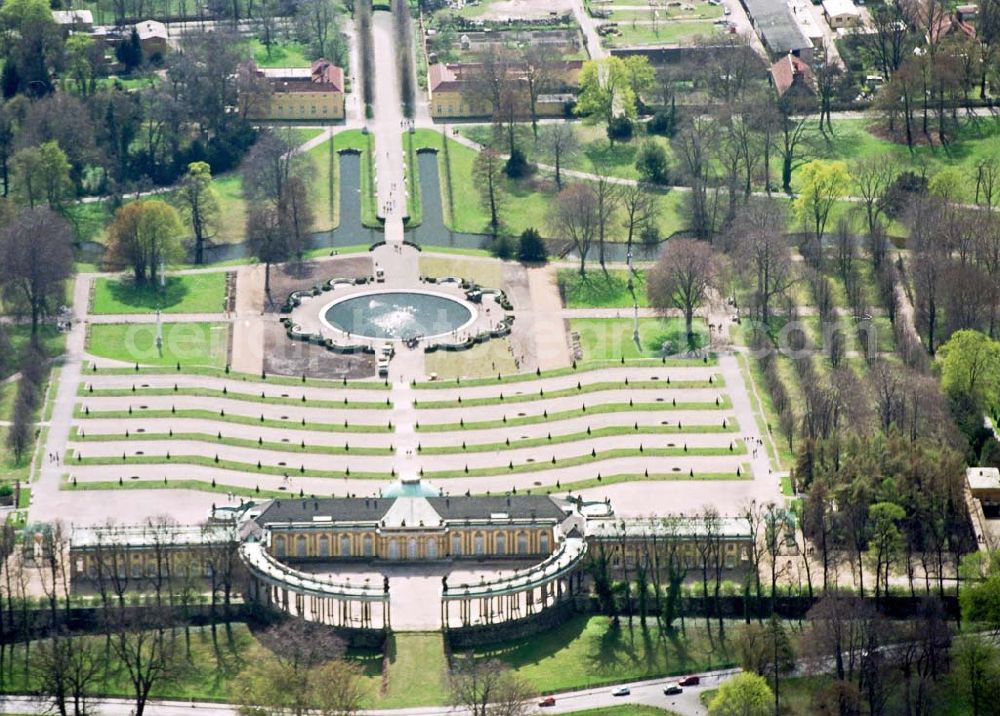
(841, 13)
(154, 39)
(74, 20)
(793, 77)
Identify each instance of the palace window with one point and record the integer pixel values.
(432, 548)
(411, 549)
(479, 544)
(324, 546)
(393, 549)
(522, 543)
(345, 546)
(279, 546)
(456, 545)
(367, 546)
(300, 546)
(543, 542)
(501, 543)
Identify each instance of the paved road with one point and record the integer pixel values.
(389, 159)
(649, 693)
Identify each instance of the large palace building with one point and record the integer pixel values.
(412, 527)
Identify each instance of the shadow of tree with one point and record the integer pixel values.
(148, 295)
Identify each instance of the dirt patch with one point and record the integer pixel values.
(301, 276)
(284, 356)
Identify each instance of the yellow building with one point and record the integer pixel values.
(411, 527)
(452, 95)
(303, 93)
(687, 541)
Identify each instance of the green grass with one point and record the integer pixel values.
(414, 209)
(323, 186)
(578, 367)
(206, 674)
(355, 139)
(232, 208)
(534, 195)
(190, 344)
(764, 413)
(89, 220)
(284, 53)
(678, 474)
(157, 484)
(598, 387)
(732, 427)
(671, 32)
(585, 459)
(477, 363)
(204, 461)
(702, 11)
(610, 338)
(599, 409)
(244, 377)
(485, 273)
(226, 395)
(207, 440)
(416, 671)
(188, 293)
(597, 290)
(80, 412)
(53, 343)
(590, 651)
(10, 469)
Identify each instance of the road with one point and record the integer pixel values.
(648, 693)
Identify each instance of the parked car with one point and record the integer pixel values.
(621, 691)
(689, 681)
(548, 701)
(673, 690)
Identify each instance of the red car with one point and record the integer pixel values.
(690, 681)
(548, 701)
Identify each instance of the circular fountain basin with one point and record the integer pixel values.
(397, 315)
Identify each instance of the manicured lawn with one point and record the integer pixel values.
(611, 338)
(188, 293)
(482, 361)
(416, 671)
(192, 344)
(589, 651)
(597, 290)
(323, 185)
(485, 273)
(286, 53)
(232, 208)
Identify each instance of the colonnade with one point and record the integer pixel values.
(520, 595)
(313, 598)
